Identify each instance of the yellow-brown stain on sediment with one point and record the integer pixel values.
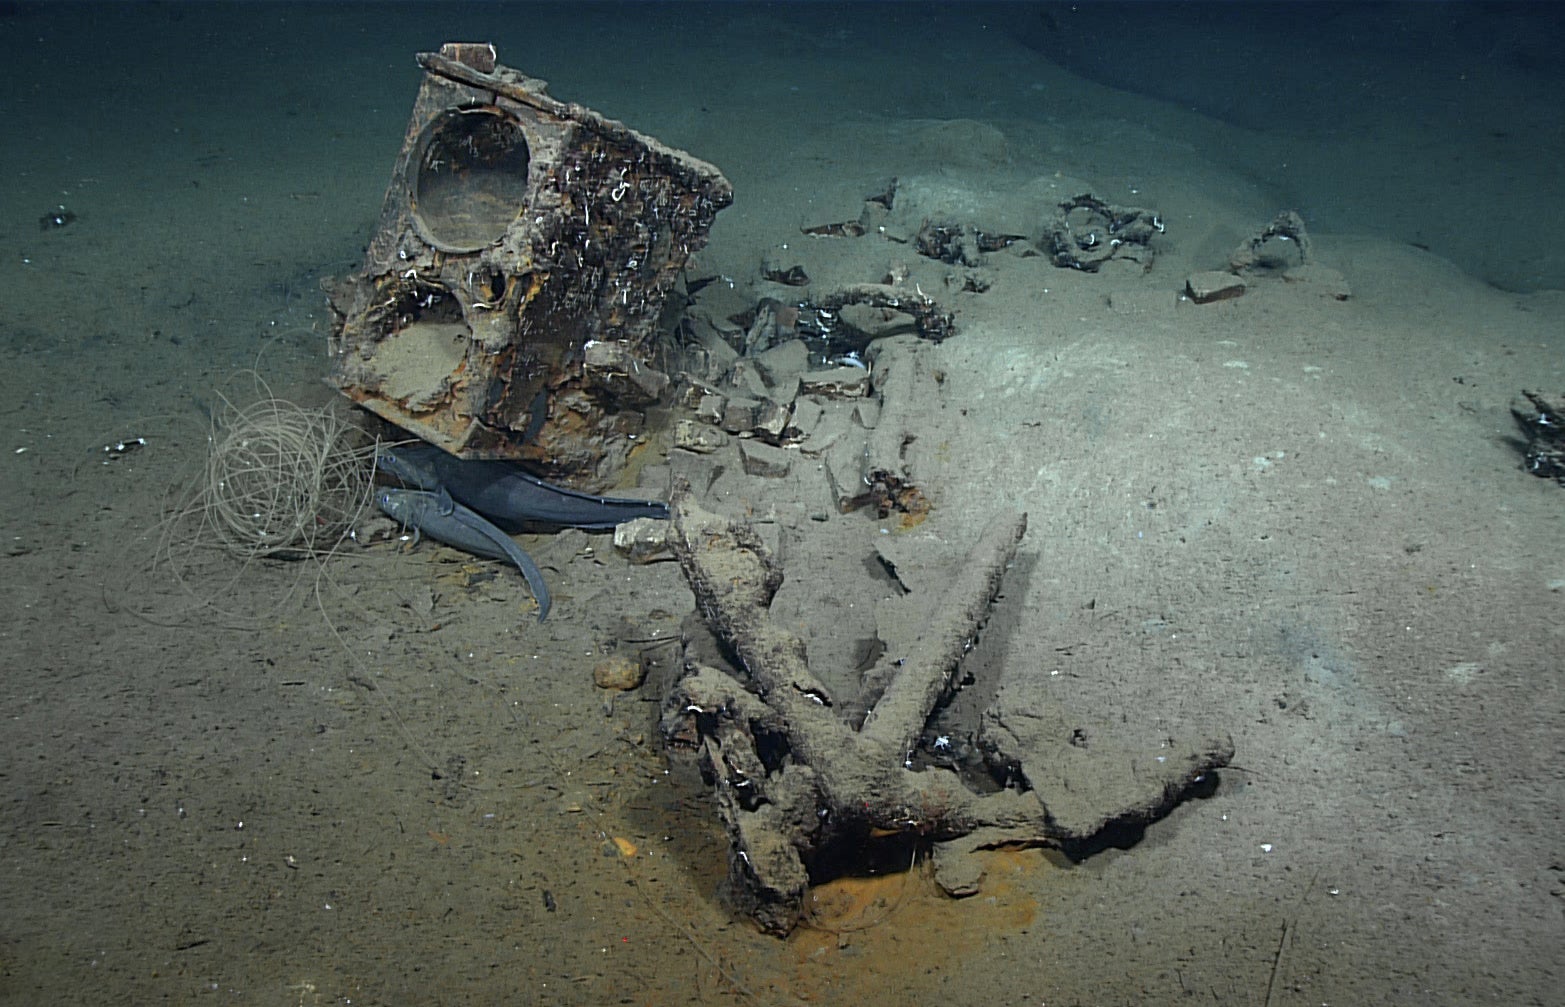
(889, 937)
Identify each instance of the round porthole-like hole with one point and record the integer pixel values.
(471, 180)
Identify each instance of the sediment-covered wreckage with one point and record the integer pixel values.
(804, 790)
(511, 306)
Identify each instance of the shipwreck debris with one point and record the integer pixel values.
(803, 785)
(1542, 419)
(929, 319)
(1214, 285)
(1281, 249)
(1089, 232)
(508, 303)
(1281, 245)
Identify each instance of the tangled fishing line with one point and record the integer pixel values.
(283, 481)
(277, 481)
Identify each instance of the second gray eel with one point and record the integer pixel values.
(507, 495)
(444, 520)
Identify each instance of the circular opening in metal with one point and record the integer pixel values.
(471, 180)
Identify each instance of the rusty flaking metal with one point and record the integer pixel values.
(509, 300)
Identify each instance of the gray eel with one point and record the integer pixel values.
(441, 518)
(507, 495)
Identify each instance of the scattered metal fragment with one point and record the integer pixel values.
(927, 317)
(1542, 418)
(793, 276)
(1280, 245)
(885, 197)
(1213, 285)
(841, 229)
(1089, 232)
(959, 244)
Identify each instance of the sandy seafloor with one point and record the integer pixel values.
(1299, 519)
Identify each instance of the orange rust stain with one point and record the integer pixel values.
(867, 938)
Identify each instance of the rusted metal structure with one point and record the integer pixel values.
(509, 301)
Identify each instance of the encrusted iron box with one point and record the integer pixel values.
(508, 305)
